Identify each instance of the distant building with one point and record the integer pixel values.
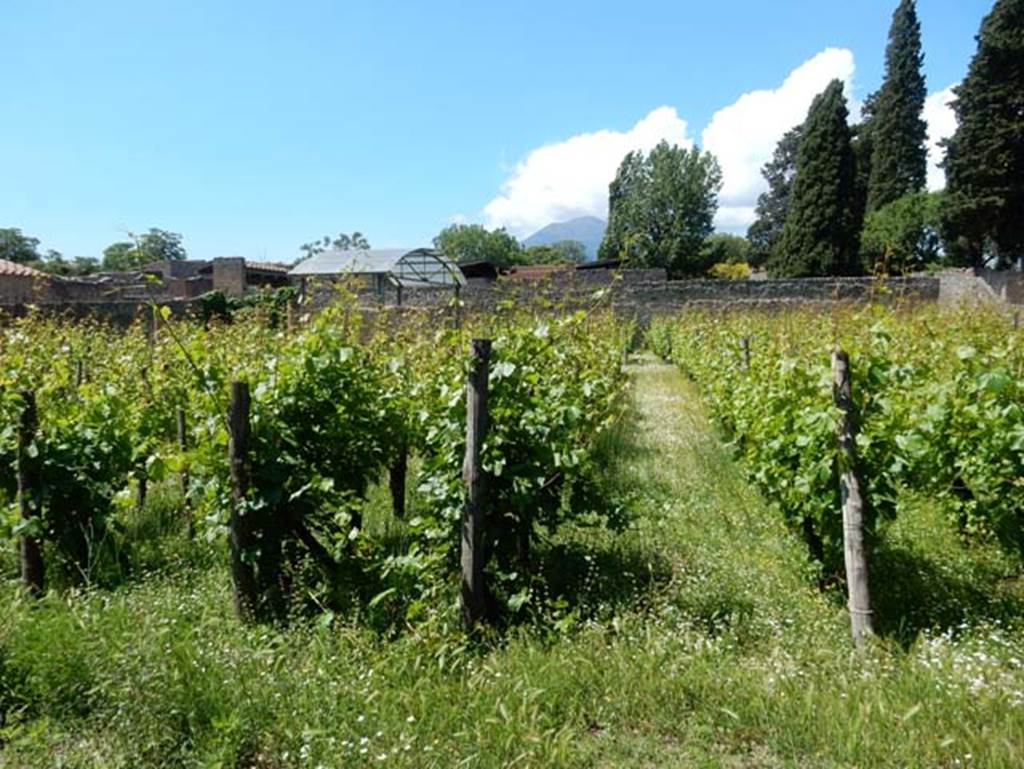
(379, 270)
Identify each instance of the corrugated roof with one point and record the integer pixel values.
(8, 267)
(357, 261)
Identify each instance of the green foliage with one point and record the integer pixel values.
(152, 246)
(773, 204)
(722, 248)
(902, 236)
(475, 243)
(329, 415)
(982, 221)
(17, 247)
(724, 653)
(562, 252)
(899, 158)
(938, 399)
(662, 208)
(820, 235)
(343, 242)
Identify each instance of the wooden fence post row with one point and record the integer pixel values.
(33, 572)
(854, 555)
(243, 575)
(474, 601)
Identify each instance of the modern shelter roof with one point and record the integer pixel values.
(401, 266)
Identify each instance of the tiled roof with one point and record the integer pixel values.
(267, 266)
(23, 271)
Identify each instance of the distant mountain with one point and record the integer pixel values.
(588, 230)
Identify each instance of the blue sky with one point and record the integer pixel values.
(252, 127)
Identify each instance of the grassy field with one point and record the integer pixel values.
(697, 638)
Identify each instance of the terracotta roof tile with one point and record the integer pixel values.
(8, 267)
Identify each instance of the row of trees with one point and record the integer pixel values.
(150, 246)
(475, 243)
(845, 200)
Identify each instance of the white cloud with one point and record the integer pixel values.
(458, 219)
(744, 134)
(941, 125)
(570, 178)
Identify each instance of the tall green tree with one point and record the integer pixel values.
(899, 157)
(18, 247)
(662, 209)
(820, 236)
(625, 204)
(983, 209)
(773, 204)
(152, 246)
(902, 236)
(475, 243)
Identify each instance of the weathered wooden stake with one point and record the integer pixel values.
(79, 372)
(240, 526)
(291, 322)
(1016, 320)
(179, 417)
(861, 614)
(33, 573)
(396, 481)
(745, 347)
(473, 591)
(458, 306)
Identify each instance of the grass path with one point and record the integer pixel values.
(699, 640)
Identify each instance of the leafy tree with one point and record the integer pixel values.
(475, 243)
(983, 210)
(342, 242)
(902, 236)
(562, 252)
(16, 247)
(55, 264)
(820, 235)
(625, 205)
(119, 256)
(152, 246)
(662, 209)
(722, 248)
(772, 205)
(899, 158)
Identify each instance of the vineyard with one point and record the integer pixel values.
(350, 540)
(939, 400)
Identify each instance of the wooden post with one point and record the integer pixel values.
(79, 372)
(243, 574)
(142, 489)
(33, 572)
(473, 590)
(396, 481)
(179, 417)
(1016, 320)
(854, 554)
(458, 306)
(290, 317)
(745, 347)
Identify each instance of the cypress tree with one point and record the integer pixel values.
(820, 236)
(983, 209)
(899, 157)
